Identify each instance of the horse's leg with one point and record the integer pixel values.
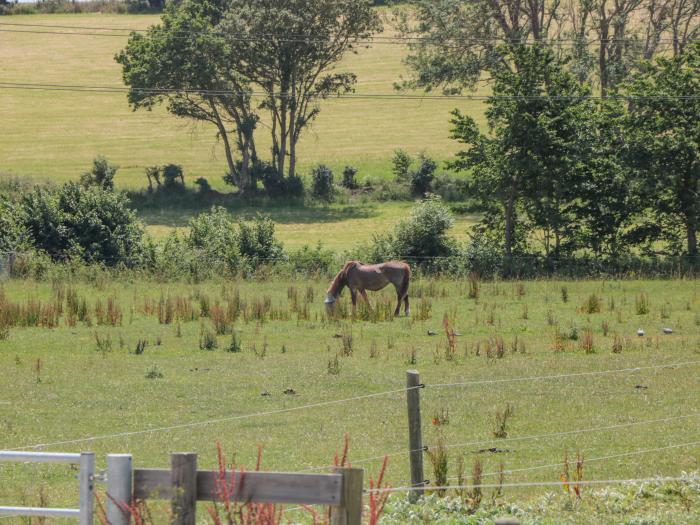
(353, 295)
(405, 302)
(364, 296)
(398, 304)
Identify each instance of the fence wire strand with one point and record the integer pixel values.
(213, 421)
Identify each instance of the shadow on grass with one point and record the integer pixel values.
(175, 209)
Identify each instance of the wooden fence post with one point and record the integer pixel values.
(415, 439)
(183, 479)
(349, 512)
(119, 488)
(87, 487)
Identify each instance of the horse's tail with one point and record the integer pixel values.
(405, 281)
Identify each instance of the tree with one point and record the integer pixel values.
(101, 175)
(608, 194)
(455, 41)
(529, 162)
(665, 143)
(288, 49)
(185, 63)
(459, 39)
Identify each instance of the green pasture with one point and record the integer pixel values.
(337, 227)
(54, 135)
(58, 386)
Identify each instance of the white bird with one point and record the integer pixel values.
(640, 332)
(668, 331)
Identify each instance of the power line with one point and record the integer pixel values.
(376, 39)
(356, 96)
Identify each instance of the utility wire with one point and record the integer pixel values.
(377, 39)
(382, 96)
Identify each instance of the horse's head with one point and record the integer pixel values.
(339, 282)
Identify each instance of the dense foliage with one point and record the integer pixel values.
(72, 221)
(565, 175)
(217, 73)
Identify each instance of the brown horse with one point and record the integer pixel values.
(360, 277)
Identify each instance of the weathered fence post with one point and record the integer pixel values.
(119, 488)
(415, 439)
(87, 487)
(350, 510)
(183, 479)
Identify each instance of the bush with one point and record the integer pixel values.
(14, 235)
(421, 238)
(275, 184)
(422, 177)
(90, 223)
(222, 243)
(256, 241)
(173, 177)
(401, 163)
(101, 175)
(349, 180)
(450, 188)
(312, 261)
(322, 183)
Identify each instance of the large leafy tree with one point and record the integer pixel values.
(664, 127)
(228, 62)
(288, 49)
(529, 163)
(185, 63)
(606, 39)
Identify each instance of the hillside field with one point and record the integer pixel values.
(67, 386)
(54, 135)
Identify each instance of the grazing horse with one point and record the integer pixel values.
(360, 277)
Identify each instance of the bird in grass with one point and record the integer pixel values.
(640, 332)
(668, 331)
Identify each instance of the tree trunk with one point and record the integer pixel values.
(691, 231)
(510, 226)
(602, 58)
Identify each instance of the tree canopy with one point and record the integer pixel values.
(231, 62)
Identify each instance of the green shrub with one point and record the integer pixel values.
(257, 243)
(401, 162)
(422, 177)
(349, 180)
(275, 184)
(421, 238)
(89, 223)
(322, 183)
(101, 175)
(173, 177)
(14, 235)
(309, 261)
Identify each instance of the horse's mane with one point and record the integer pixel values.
(341, 278)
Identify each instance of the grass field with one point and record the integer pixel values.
(55, 134)
(81, 391)
(338, 227)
